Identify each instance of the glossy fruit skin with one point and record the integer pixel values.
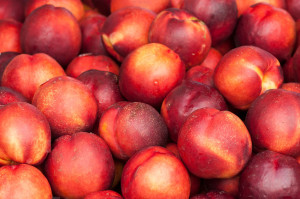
(270, 175)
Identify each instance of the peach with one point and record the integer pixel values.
(288, 71)
(107, 194)
(173, 25)
(78, 165)
(203, 73)
(51, 30)
(291, 86)
(243, 5)
(68, 105)
(272, 175)
(10, 31)
(214, 144)
(8, 95)
(246, 72)
(293, 7)
(225, 46)
(25, 73)
(125, 30)
(103, 6)
(74, 6)
(5, 58)
(91, 34)
(85, 62)
(153, 5)
(298, 31)
(186, 98)
(270, 28)
(25, 134)
(129, 127)
(176, 3)
(155, 173)
(12, 9)
(272, 121)
(149, 73)
(104, 86)
(23, 181)
(220, 16)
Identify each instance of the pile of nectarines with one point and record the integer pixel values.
(150, 99)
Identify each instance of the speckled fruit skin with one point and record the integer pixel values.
(8, 95)
(25, 73)
(214, 144)
(246, 72)
(85, 62)
(68, 104)
(51, 30)
(270, 175)
(155, 173)
(270, 28)
(25, 134)
(129, 127)
(273, 122)
(23, 181)
(219, 15)
(149, 73)
(78, 165)
(125, 30)
(173, 25)
(74, 6)
(186, 98)
(154, 5)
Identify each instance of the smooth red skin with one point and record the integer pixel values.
(293, 7)
(173, 25)
(154, 5)
(107, 194)
(10, 35)
(78, 165)
(12, 9)
(272, 121)
(85, 62)
(74, 6)
(186, 98)
(176, 3)
(25, 73)
(268, 166)
(213, 195)
(149, 73)
(91, 34)
(296, 64)
(195, 181)
(23, 181)
(25, 134)
(68, 104)
(155, 173)
(298, 32)
(203, 73)
(51, 30)
(220, 16)
(246, 72)
(104, 85)
(131, 127)
(225, 46)
(205, 153)
(243, 5)
(270, 28)
(229, 185)
(8, 95)
(5, 58)
(125, 30)
(291, 86)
